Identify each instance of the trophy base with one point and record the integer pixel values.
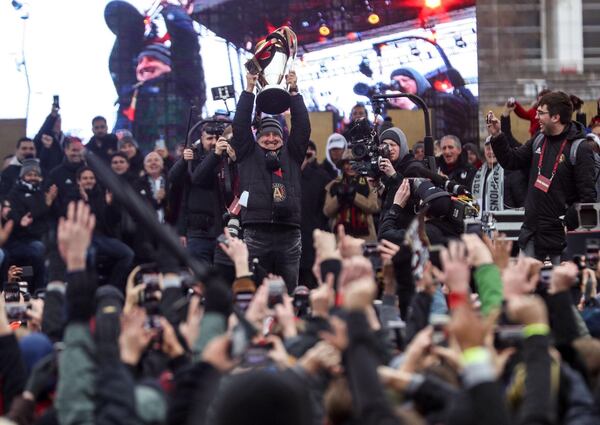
(273, 100)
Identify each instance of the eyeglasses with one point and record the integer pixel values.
(538, 112)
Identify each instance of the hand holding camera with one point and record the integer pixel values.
(221, 146)
(493, 124)
(386, 167)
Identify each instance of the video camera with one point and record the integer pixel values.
(366, 150)
(440, 202)
(363, 89)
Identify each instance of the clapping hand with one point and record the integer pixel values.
(75, 235)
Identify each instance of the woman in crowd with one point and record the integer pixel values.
(350, 201)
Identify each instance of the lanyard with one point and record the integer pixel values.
(556, 162)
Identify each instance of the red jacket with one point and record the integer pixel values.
(534, 124)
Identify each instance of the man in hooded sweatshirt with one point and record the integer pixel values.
(270, 175)
(336, 143)
(450, 112)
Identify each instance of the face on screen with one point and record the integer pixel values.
(149, 68)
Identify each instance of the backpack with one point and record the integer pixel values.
(573, 155)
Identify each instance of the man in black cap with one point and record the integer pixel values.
(270, 175)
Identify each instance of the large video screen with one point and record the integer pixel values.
(142, 65)
(139, 66)
(438, 63)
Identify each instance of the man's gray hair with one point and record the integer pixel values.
(454, 139)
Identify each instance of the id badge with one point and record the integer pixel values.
(542, 183)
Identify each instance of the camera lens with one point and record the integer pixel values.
(359, 151)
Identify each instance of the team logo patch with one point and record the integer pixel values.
(279, 193)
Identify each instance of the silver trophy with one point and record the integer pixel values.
(271, 61)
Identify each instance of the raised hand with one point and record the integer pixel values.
(75, 235)
(456, 274)
(402, 194)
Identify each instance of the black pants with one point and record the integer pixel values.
(278, 250)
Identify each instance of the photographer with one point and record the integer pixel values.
(351, 202)
(554, 181)
(200, 222)
(270, 177)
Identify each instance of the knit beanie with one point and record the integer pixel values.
(270, 124)
(127, 139)
(398, 137)
(30, 164)
(158, 51)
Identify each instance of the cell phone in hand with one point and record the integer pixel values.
(27, 271)
(276, 290)
(12, 292)
(55, 102)
(16, 311)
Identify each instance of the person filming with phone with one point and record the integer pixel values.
(561, 174)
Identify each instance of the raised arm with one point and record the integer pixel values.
(300, 131)
(243, 139)
(508, 157)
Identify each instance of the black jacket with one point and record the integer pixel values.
(49, 157)
(515, 181)
(314, 180)
(462, 172)
(8, 179)
(108, 146)
(142, 186)
(571, 184)
(332, 172)
(254, 176)
(25, 198)
(64, 177)
(107, 216)
(201, 212)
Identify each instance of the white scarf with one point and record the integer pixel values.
(494, 187)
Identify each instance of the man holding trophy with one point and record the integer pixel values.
(270, 167)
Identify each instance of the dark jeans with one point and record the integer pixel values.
(23, 252)
(278, 250)
(119, 253)
(202, 249)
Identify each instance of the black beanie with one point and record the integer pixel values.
(270, 124)
(158, 51)
(263, 397)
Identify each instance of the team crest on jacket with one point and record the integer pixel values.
(279, 194)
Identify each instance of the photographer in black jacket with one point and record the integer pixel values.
(200, 220)
(270, 174)
(554, 183)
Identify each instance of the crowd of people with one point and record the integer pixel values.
(330, 294)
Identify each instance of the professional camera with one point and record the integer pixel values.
(440, 203)
(363, 142)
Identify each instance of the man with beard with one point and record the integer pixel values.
(554, 181)
(102, 143)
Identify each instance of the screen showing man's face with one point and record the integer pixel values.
(149, 68)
